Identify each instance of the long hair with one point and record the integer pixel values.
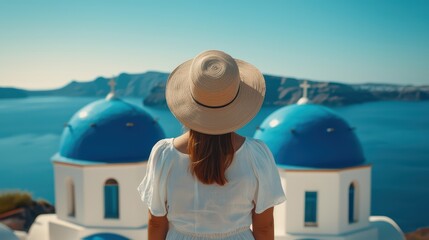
(210, 156)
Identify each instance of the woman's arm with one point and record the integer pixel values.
(157, 227)
(263, 224)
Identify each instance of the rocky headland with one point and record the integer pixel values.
(18, 210)
(150, 86)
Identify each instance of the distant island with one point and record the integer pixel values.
(150, 86)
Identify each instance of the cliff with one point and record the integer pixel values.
(150, 86)
(127, 85)
(18, 210)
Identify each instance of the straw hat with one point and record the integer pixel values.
(214, 93)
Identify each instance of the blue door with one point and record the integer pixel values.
(310, 216)
(111, 199)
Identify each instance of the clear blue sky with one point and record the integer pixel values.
(46, 44)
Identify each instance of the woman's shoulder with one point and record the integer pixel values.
(161, 148)
(260, 154)
(257, 145)
(162, 143)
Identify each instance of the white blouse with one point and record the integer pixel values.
(197, 208)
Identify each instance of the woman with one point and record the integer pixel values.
(211, 183)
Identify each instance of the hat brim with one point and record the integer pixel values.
(215, 121)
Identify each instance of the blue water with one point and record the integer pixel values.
(394, 136)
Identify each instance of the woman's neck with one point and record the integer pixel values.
(181, 142)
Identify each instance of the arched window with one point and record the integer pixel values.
(310, 215)
(353, 203)
(71, 198)
(111, 199)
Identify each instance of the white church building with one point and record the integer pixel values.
(102, 158)
(324, 175)
(105, 146)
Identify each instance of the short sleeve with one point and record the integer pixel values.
(269, 191)
(153, 189)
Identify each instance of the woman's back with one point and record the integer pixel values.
(206, 209)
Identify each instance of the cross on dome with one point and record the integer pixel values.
(112, 85)
(304, 87)
(304, 99)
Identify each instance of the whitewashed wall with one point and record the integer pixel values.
(89, 192)
(332, 188)
(63, 174)
(362, 178)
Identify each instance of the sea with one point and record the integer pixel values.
(394, 136)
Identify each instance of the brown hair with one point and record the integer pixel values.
(210, 156)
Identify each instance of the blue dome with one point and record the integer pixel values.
(105, 236)
(310, 136)
(109, 131)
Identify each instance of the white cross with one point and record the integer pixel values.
(112, 85)
(304, 87)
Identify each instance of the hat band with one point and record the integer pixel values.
(207, 106)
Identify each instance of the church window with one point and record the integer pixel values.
(310, 215)
(353, 204)
(111, 199)
(71, 198)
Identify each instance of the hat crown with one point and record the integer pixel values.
(215, 79)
